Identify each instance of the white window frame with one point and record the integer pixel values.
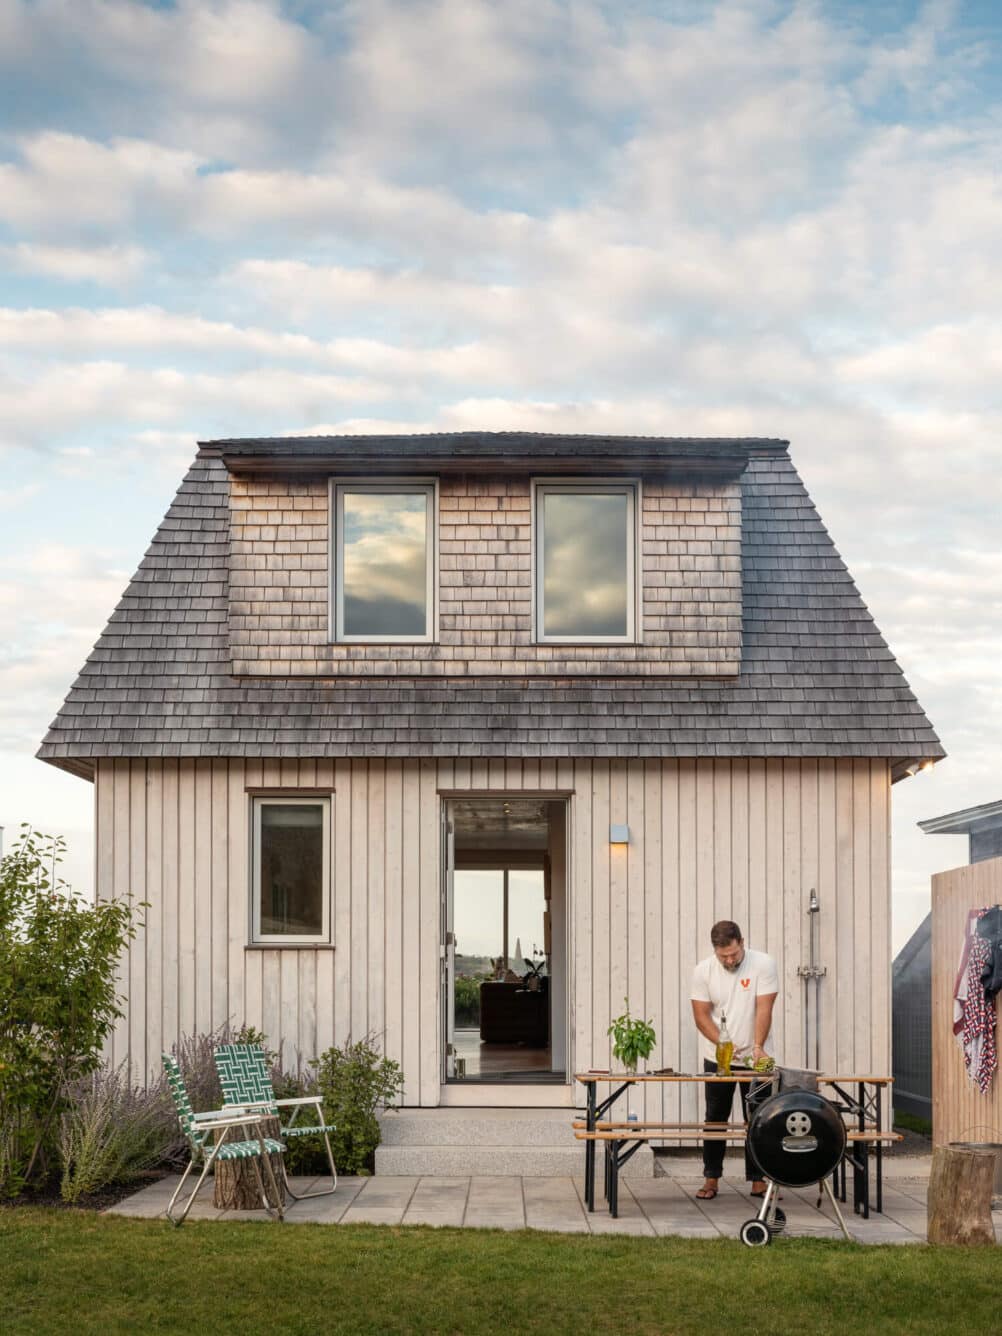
(259, 938)
(630, 488)
(429, 488)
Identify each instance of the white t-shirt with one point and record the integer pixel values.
(734, 995)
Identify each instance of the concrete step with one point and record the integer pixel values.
(479, 1127)
(499, 1161)
(532, 1143)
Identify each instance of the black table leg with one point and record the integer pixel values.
(614, 1149)
(590, 1147)
(864, 1158)
(878, 1101)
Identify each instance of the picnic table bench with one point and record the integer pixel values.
(622, 1139)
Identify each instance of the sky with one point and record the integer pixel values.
(754, 218)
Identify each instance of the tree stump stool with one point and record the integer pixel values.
(235, 1187)
(960, 1196)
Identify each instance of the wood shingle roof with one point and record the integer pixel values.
(816, 680)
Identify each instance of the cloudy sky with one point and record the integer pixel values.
(244, 217)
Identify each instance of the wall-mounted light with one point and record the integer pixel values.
(914, 767)
(619, 834)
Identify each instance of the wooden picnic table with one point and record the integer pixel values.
(858, 1097)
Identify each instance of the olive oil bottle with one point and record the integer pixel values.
(725, 1048)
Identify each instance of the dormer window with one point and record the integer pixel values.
(585, 562)
(384, 561)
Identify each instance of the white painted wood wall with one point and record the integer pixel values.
(710, 839)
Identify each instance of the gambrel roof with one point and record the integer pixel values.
(816, 679)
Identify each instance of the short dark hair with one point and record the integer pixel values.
(725, 932)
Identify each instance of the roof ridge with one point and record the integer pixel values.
(291, 437)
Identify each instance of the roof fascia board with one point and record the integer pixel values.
(361, 463)
(961, 823)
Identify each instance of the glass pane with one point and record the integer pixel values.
(526, 906)
(292, 869)
(478, 913)
(384, 556)
(586, 563)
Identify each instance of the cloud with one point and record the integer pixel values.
(54, 600)
(111, 266)
(81, 396)
(750, 218)
(112, 186)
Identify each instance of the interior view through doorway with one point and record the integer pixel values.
(504, 915)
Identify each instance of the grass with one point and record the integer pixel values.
(911, 1122)
(75, 1271)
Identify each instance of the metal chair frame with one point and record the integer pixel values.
(207, 1133)
(243, 1075)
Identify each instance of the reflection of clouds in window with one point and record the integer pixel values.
(384, 556)
(586, 560)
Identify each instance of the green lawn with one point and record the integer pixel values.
(67, 1271)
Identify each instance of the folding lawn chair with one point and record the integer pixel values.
(243, 1075)
(207, 1133)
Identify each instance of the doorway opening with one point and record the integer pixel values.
(504, 919)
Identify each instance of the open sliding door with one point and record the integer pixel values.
(447, 950)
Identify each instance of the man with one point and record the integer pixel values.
(741, 985)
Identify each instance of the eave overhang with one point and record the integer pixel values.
(492, 453)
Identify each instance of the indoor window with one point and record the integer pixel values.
(290, 895)
(585, 562)
(384, 561)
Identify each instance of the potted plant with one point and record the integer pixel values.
(631, 1039)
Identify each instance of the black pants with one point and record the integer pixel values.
(719, 1100)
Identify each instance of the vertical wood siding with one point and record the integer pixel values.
(959, 1111)
(743, 839)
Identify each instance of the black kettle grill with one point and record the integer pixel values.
(795, 1138)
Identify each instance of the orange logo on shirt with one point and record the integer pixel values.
(745, 983)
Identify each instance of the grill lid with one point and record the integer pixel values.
(796, 1138)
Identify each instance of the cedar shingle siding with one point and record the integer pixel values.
(816, 678)
(690, 585)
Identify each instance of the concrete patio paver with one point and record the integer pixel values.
(553, 1204)
(438, 1201)
(661, 1206)
(495, 1203)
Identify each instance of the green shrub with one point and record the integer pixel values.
(57, 1001)
(354, 1081)
(111, 1132)
(467, 994)
(303, 1155)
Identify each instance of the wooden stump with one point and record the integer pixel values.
(235, 1187)
(960, 1196)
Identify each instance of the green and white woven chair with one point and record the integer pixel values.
(243, 1075)
(208, 1135)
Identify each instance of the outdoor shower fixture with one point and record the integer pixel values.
(812, 973)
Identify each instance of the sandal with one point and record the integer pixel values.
(706, 1194)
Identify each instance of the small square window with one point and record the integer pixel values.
(384, 561)
(585, 562)
(290, 880)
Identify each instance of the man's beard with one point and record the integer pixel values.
(733, 969)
